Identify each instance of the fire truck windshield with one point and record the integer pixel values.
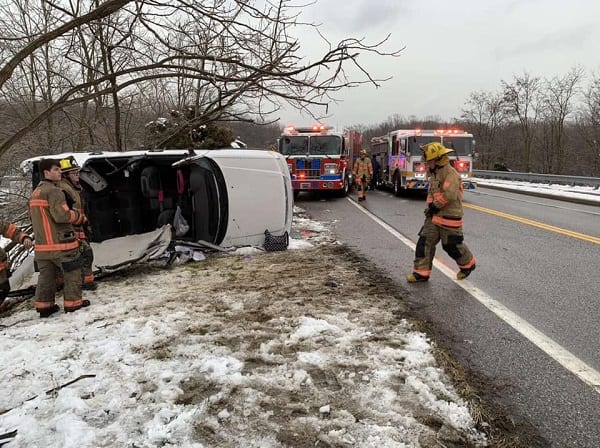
(295, 145)
(462, 146)
(415, 143)
(316, 145)
(322, 145)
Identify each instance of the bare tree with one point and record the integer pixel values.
(521, 98)
(486, 114)
(238, 60)
(588, 124)
(38, 79)
(557, 105)
(34, 42)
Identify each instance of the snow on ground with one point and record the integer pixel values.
(589, 194)
(249, 349)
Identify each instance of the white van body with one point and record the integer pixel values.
(228, 197)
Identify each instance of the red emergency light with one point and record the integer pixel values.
(461, 166)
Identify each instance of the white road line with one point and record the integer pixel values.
(561, 355)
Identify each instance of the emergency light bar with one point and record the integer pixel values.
(448, 131)
(315, 129)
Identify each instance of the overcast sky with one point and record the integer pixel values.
(452, 49)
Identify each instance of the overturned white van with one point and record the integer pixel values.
(227, 197)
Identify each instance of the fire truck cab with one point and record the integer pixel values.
(402, 166)
(319, 158)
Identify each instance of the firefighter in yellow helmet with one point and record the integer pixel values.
(363, 172)
(73, 192)
(443, 217)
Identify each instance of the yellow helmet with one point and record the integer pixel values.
(364, 152)
(68, 165)
(434, 150)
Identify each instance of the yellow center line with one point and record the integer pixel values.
(581, 236)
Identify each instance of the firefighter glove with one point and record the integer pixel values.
(87, 229)
(433, 209)
(69, 200)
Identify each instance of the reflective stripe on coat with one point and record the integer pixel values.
(446, 192)
(52, 220)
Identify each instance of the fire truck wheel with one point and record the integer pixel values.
(296, 194)
(346, 188)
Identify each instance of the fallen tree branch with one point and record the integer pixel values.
(56, 389)
(8, 435)
(51, 391)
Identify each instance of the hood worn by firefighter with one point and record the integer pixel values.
(73, 194)
(363, 171)
(443, 217)
(56, 244)
(12, 232)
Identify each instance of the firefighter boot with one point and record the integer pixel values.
(464, 273)
(416, 278)
(90, 286)
(84, 304)
(47, 312)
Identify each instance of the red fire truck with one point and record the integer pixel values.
(402, 166)
(320, 158)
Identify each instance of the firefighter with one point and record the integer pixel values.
(443, 217)
(56, 244)
(73, 193)
(363, 171)
(10, 231)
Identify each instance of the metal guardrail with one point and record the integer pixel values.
(539, 178)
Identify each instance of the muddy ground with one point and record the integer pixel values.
(286, 388)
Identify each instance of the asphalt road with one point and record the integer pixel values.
(538, 258)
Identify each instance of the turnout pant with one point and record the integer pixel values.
(363, 185)
(4, 284)
(67, 263)
(87, 258)
(452, 242)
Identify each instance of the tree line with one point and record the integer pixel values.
(530, 124)
(89, 75)
(92, 75)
